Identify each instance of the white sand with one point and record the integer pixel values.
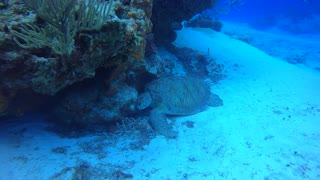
(271, 111)
(297, 48)
(268, 128)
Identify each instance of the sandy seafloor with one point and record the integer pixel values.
(268, 127)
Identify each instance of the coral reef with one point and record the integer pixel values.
(92, 106)
(202, 21)
(167, 14)
(63, 21)
(120, 39)
(113, 45)
(163, 63)
(198, 64)
(95, 80)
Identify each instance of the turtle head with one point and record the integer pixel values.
(144, 100)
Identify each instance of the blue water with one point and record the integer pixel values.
(263, 14)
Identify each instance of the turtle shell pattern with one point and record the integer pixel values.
(179, 95)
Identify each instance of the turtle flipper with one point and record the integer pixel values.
(159, 123)
(215, 100)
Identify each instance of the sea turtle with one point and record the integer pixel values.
(175, 95)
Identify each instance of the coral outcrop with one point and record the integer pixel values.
(120, 39)
(167, 16)
(99, 78)
(202, 21)
(119, 42)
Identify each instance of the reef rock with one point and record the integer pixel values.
(117, 41)
(167, 16)
(91, 106)
(202, 21)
